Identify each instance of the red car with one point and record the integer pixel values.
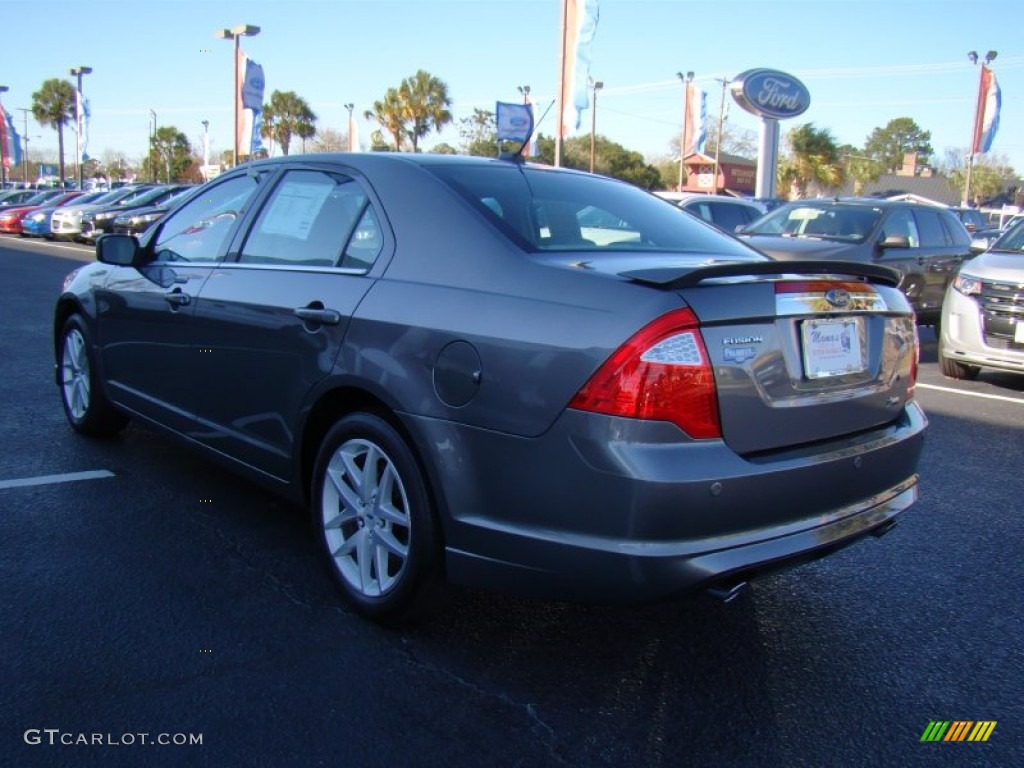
(10, 218)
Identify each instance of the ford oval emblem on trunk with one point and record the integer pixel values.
(770, 93)
(838, 298)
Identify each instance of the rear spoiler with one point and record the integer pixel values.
(682, 277)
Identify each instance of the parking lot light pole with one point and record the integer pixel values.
(351, 125)
(595, 86)
(80, 119)
(152, 145)
(682, 130)
(236, 33)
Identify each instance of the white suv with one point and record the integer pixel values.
(983, 312)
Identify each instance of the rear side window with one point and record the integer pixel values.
(309, 219)
(930, 228)
(958, 235)
(545, 209)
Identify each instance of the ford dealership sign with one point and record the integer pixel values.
(770, 93)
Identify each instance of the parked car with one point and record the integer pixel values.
(99, 220)
(972, 219)
(138, 220)
(38, 222)
(725, 212)
(23, 197)
(427, 352)
(924, 243)
(11, 218)
(66, 222)
(983, 314)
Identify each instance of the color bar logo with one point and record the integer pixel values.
(958, 730)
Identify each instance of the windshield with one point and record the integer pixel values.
(115, 195)
(544, 209)
(824, 221)
(1012, 240)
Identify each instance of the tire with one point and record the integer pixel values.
(954, 369)
(81, 389)
(376, 527)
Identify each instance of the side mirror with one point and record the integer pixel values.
(895, 241)
(118, 250)
(978, 245)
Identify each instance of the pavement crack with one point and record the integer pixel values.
(539, 728)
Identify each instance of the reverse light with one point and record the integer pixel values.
(662, 373)
(967, 285)
(914, 362)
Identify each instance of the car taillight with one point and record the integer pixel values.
(662, 373)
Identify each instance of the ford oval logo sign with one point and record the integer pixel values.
(770, 93)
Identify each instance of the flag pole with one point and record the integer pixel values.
(979, 107)
(559, 127)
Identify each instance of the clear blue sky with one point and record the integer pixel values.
(864, 62)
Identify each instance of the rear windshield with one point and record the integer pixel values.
(545, 209)
(828, 221)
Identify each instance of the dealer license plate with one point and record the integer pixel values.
(833, 347)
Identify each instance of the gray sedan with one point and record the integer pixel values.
(504, 375)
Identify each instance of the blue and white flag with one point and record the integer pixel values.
(514, 121)
(581, 18)
(249, 93)
(702, 123)
(85, 130)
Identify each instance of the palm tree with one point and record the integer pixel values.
(814, 162)
(53, 105)
(426, 104)
(411, 111)
(286, 115)
(390, 115)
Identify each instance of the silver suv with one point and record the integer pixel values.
(983, 312)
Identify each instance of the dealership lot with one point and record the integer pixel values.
(146, 592)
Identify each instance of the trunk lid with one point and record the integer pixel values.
(801, 351)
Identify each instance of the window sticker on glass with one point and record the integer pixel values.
(294, 208)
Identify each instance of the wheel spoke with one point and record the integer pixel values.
(350, 544)
(364, 556)
(384, 579)
(349, 497)
(391, 544)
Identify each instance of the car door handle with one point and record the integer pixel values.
(321, 316)
(177, 299)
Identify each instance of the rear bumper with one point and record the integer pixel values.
(630, 513)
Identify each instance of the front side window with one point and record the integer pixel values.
(199, 230)
(901, 224)
(309, 220)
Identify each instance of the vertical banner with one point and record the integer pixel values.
(702, 123)
(79, 122)
(250, 88)
(10, 142)
(580, 18)
(990, 100)
(87, 112)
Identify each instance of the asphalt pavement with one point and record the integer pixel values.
(149, 596)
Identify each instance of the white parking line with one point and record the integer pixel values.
(1004, 398)
(70, 477)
